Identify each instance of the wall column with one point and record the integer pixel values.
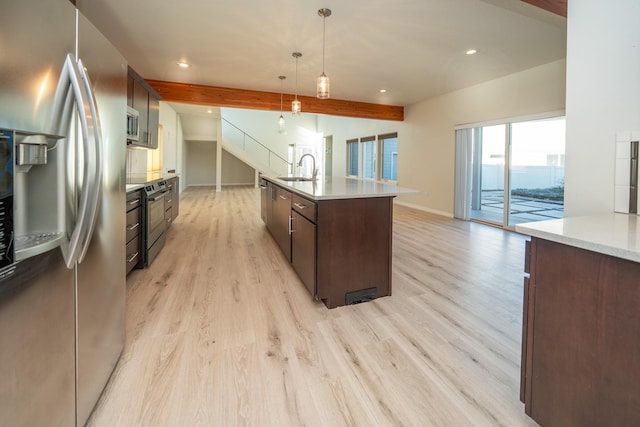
(219, 156)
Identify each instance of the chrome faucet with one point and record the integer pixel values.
(314, 172)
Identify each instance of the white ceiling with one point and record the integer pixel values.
(413, 48)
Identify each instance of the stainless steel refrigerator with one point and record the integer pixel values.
(62, 213)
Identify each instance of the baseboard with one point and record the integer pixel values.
(423, 209)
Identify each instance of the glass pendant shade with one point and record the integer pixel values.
(296, 107)
(323, 86)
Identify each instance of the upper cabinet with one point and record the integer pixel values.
(146, 101)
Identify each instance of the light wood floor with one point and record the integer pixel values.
(221, 332)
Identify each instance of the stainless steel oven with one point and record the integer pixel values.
(155, 224)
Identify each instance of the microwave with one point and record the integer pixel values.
(133, 125)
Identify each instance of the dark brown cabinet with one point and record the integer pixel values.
(153, 122)
(341, 249)
(134, 229)
(281, 221)
(354, 250)
(581, 337)
(265, 193)
(130, 90)
(142, 98)
(141, 105)
(171, 201)
(303, 241)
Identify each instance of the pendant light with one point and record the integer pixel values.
(323, 81)
(281, 119)
(296, 106)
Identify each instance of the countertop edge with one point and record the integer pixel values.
(379, 193)
(586, 233)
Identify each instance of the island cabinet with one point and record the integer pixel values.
(303, 241)
(340, 248)
(354, 250)
(581, 336)
(281, 219)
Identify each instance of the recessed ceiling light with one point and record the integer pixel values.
(183, 64)
(383, 91)
(209, 111)
(471, 52)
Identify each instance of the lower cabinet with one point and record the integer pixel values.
(354, 250)
(581, 337)
(134, 229)
(341, 249)
(264, 204)
(303, 245)
(171, 201)
(281, 210)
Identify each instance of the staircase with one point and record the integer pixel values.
(251, 151)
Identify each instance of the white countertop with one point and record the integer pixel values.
(332, 188)
(614, 234)
(138, 181)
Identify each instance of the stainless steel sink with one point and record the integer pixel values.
(295, 178)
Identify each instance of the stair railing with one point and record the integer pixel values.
(258, 151)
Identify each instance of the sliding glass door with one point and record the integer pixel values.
(487, 201)
(536, 177)
(517, 165)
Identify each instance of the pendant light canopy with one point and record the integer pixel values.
(296, 106)
(323, 81)
(281, 121)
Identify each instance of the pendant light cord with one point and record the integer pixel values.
(281, 91)
(324, 22)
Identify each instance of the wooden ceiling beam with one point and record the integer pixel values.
(559, 7)
(255, 100)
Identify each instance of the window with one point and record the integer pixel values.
(368, 157)
(389, 161)
(352, 157)
(364, 162)
(511, 173)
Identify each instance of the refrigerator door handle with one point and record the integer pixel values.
(70, 84)
(94, 163)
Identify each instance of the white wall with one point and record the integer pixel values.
(171, 138)
(199, 128)
(263, 126)
(603, 97)
(426, 155)
(426, 138)
(201, 158)
(201, 161)
(235, 171)
(172, 143)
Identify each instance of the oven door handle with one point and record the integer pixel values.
(157, 197)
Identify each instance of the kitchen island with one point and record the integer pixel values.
(336, 232)
(581, 322)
